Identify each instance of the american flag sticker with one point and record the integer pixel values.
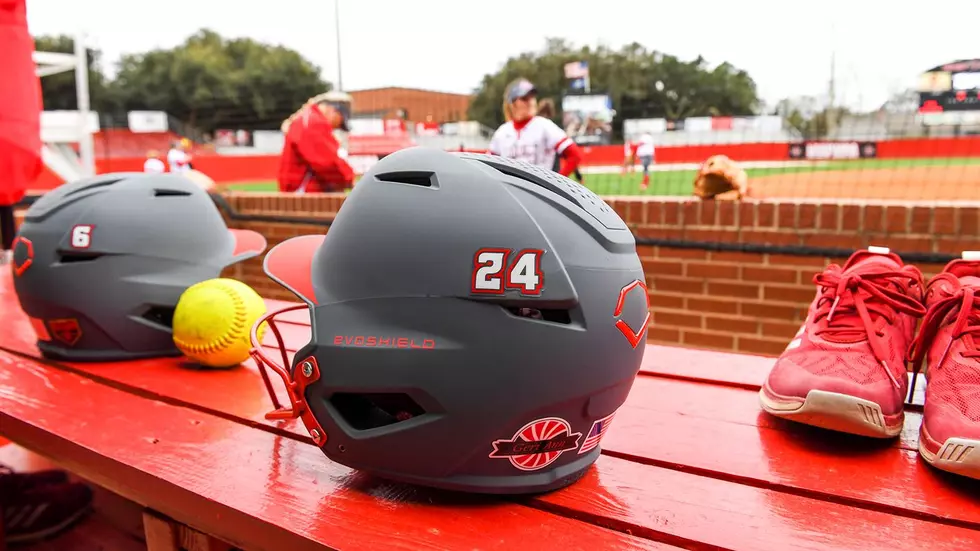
(595, 435)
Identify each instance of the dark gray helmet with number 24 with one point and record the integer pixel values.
(476, 323)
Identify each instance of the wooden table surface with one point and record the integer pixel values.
(690, 462)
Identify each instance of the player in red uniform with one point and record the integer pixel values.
(629, 155)
(530, 138)
(311, 156)
(20, 126)
(38, 505)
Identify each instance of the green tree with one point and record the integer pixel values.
(58, 90)
(641, 82)
(810, 116)
(211, 82)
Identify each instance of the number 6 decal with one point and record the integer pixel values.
(497, 270)
(81, 236)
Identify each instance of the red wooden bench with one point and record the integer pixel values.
(690, 462)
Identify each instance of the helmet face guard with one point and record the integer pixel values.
(296, 376)
(303, 374)
(493, 359)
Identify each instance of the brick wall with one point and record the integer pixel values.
(750, 302)
(746, 302)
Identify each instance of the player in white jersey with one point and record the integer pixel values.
(178, 158)
(645, 152)
(530, 138)
(153, 164)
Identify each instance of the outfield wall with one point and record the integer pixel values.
(225, 169)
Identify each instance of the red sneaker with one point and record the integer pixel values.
(645, 183)
(845, 370)
(949, 342)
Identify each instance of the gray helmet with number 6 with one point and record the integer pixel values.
(100, 263)
(476, 323)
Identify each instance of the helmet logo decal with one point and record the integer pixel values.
(537, 444)
(496, 271)
(596, 433)
(383, 342)
(632, 336)
(81, 236)
(23, 255)
(66, 330)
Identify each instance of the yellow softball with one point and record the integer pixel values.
(213, 319)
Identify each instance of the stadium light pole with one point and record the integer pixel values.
(85, 145)
(340, 76)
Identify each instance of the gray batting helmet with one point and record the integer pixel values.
(476, 322)
(100, 263)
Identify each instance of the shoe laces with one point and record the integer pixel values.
(962, 308)
(850, 302)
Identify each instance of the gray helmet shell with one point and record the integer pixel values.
(476, 323)
(100, 263)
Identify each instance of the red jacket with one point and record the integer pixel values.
(20, 105)
(310, 156)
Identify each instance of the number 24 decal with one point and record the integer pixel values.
(497, 270)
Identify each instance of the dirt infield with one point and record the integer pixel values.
(924, 183)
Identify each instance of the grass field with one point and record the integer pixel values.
(677, 179)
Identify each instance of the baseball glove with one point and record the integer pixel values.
(720, 175)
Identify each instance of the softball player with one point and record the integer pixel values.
(530, 138)
(645, 150)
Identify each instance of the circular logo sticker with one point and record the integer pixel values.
(537, 444)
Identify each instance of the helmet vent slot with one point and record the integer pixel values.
(413, 178)
(170, 193)
(566, 188)
(373, 410)
(93, 185)
(550, 315)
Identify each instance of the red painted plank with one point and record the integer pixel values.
(678, 412)
(228, 464)
(713, 367)
(720, 432)
(735, 516)
(248, 486)
(722, 368)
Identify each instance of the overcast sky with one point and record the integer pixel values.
(449, 45)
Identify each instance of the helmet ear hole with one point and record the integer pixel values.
(73, 257)
(370, 411)
(160, 315)
(541, 314)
